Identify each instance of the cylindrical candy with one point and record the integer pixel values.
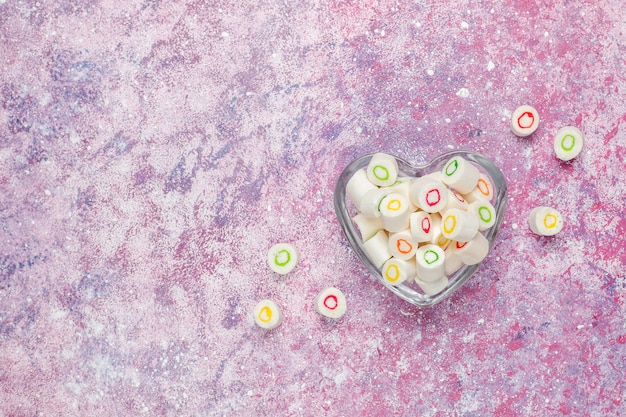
(395, 211)
(524, 120)
(402, 245)
(430, 263)
(459, 225)
(437, 237)
(453, 262)
(474, 251)
(368, 226)
(434, 287)
(282, 258)
(484, 189)
(460, 174)
(403, 186)
(568, 142)
(420, 226)
(331, 303)
(456, 201)
(485, 212)
(267, 314)
(396, 271)
(370, 203)
(436, 175)
(357, 186)
(377, 248)
(428, 194)
(545, 221)
(382, 170)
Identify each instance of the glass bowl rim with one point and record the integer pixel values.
(459, 278)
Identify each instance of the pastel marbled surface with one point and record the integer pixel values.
(152, 152)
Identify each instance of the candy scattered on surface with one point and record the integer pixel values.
(524, 121)
(331, 303)
(267, 314)
(282, 258)
(568, 142)
(545, 221)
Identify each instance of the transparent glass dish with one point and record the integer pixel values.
(345, 210)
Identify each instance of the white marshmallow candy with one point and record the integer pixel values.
(402, 245)
(370, 203)
(485, 212)
(474, 251)
(437, 237)
(436, 175)
(568, 142)
(382, 170)
(358, 186)
(430, 263)
(377, 248)
(484, 189)
(455, 201)
(434, 287)
(428, 194)
(524, 121)
(331, 303)
(453, 262)
(460, 174)
(368, 226)
(282, 258)
(403, 186)
(397, 271)
(395, 211)
(545, 221)
(459, 225)
(420, 226)
(267, 314)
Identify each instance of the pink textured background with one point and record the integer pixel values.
(151, 152)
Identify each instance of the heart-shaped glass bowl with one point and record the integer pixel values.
(345, 210)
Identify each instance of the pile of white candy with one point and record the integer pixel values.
(422, 229)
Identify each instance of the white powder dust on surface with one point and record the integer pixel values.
(463, 93)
